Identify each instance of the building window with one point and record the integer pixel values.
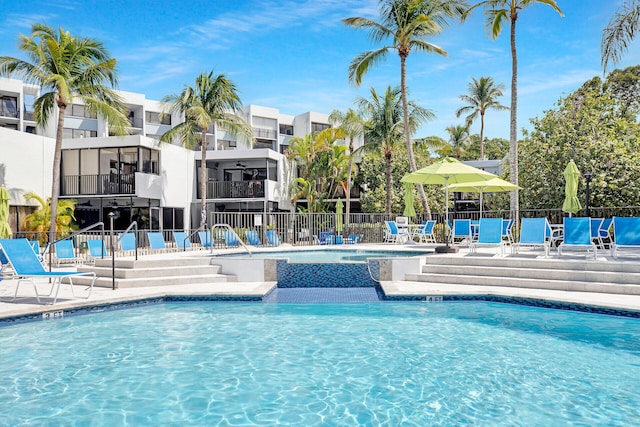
(172, 219)
(30, 129)
(319, 127)
(149, 160)
(9, 106)
(9, 126)
(77, 110)
(78, 133)
(158, 118)
(286, 130)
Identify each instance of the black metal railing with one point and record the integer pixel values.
(234, 189)
(76, 185)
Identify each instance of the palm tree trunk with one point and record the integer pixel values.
(513, 125)
(387, 167)
(55, 176)
(407, 133)
(481, 135)
(203, 179)
(348, 195)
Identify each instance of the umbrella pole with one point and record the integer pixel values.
(446, 249)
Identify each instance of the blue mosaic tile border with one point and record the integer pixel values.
(325, 275)
(557, 305)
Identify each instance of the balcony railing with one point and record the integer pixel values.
(234, 189)
(28, 115)
(76, 185)
(9, 112)
(264, 133)
(135, 122)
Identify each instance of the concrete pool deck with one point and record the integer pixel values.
(256, 290)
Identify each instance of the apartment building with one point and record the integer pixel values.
(144, 180)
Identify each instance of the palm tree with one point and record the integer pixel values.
(498, 12)
(458, 140)
(353, 127)
(68, 69)
(385, 127)
(407, 23)
(213, 101)
(482, 96)
(620, 31)
(39, 221)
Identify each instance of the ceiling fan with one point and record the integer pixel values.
(241, 165)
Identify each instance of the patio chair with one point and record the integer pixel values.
(28, 268)
(461, 230)
(489, 234)
(230, 239)
(534, 232)
(272, 237)
(604, 232)
(205, 239)
(507, 227)
(156, 241)
(577, 235)
(252, 237)
(181, 239)
(127, 242)
(425, 233)
(626, 233)
(325, 238)
(64, 253)
(97, 248)
(353, 238)
(596, 223)
(393, 234)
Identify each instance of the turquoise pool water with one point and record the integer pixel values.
(330, 255)
(391, 364)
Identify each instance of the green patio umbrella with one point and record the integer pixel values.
(493, 185)
(339, 207)
(571, 175)
(447, 171)
(409, 209)
(5, 230)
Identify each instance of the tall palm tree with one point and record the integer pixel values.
(458, 140)
(407, 23)
(213, 101)
(620, 31)
(498, 12)
(385, 127)
(482, 96)
(68, 69)
(353, 127)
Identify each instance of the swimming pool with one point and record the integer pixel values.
(323, 364)
(331, 255)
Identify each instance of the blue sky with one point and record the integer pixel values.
(293, 55)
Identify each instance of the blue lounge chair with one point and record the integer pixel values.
(489, 234)
(425, 233)
(604, 232)
(272, 237)
(507, 227)
(27, 268)
(156, 241)
(596, 223)
(252, 237)
(205, 238)
(230, 239)
(181, 239)
(534, 232)
(626, 233)
(394, 234)
(97, 248)
(127, 242)
(65, 252)
(577, 235)
(461, 230)
(325, 238)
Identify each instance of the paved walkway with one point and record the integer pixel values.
(102, 296)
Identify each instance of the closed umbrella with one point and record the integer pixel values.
(493, 185)
(5, 230)
(409, 209)
(571, 175)
(339, 208)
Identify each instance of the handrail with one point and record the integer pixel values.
(134, 224)
(228, 227)
(72, 235)
(184, 242)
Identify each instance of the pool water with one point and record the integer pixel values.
(335, 255)
(453, 363)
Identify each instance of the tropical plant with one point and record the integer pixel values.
(620, 31)
(68, 69)
(353, 127)
(38, 223)
(213, 101)
(407, 23)
(481, 97)
(498, 12)
(458, 142)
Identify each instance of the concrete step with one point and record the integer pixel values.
(539, 273)
(142, 272)
(106, 282)
(562, 285)
(154, 262)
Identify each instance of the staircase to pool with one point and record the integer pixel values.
(606, 276)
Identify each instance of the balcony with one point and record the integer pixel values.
(234, 189)
(9, 112)
(135, 122)
(87, 185)
(264, 133)
(28, 115)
